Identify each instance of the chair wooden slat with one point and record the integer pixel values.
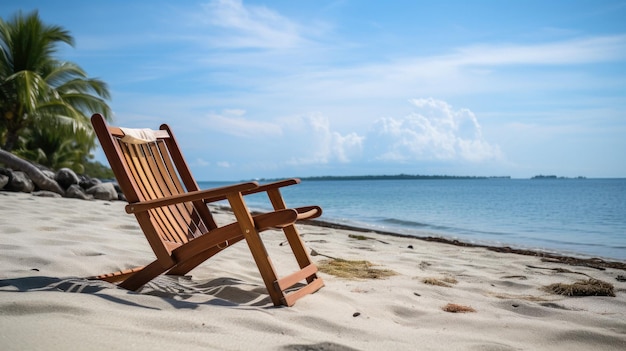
(145, 178)
(175, 216)
(188, 222)
(177, 161)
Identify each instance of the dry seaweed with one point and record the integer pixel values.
(590, 287)
(446, 282)
(363, 237)
(455, 308)
(519, 297)
(558, 270)
(354, 269)
(358, 237)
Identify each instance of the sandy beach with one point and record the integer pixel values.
(49, 246)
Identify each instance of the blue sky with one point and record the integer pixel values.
(271, 89)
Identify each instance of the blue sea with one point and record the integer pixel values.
(578, 217)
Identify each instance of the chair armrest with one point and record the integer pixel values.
(273, 185)
(208, 195)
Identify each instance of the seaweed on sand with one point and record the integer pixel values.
(446, 282)
(354, 269)
(590, 287)
(456, 308)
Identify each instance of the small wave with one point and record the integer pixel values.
(406, 223)
(440, 228)
(567, 242)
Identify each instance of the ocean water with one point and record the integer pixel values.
(580, 217)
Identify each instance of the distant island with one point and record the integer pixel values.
(541, 176)
(392, 177)
(411, 177)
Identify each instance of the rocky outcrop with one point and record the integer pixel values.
(70, 184)
(20, 175)
(41, 180)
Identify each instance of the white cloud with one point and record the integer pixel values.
(250, 26)
(236, 124)
(235, 112)
(294, 141)
(471, 68)
(435, 132)
(201, 162)
(319, 144)
(575, 51)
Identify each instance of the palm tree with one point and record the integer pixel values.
(37, 90)
(40, 95)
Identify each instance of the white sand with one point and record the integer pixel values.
(48, 245)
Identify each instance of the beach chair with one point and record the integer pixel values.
(173, 214)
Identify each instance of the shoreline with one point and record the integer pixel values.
(592, 262)
(437, 297)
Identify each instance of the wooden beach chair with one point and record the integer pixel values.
(173, 214)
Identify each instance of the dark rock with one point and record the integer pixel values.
(76, 192)
(4, 180)
(103, 191)
(19, 181)
(87, 183)
(48, 173)
(7, 172)
(66, 177)
(117, 187)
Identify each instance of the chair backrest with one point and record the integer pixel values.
(152, 170)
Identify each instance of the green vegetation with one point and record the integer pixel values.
(96, 169)
(45, 103)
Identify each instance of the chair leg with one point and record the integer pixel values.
(297, 246)
(257, 248)
(293, 237)
(266, 268)
(139, 279)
